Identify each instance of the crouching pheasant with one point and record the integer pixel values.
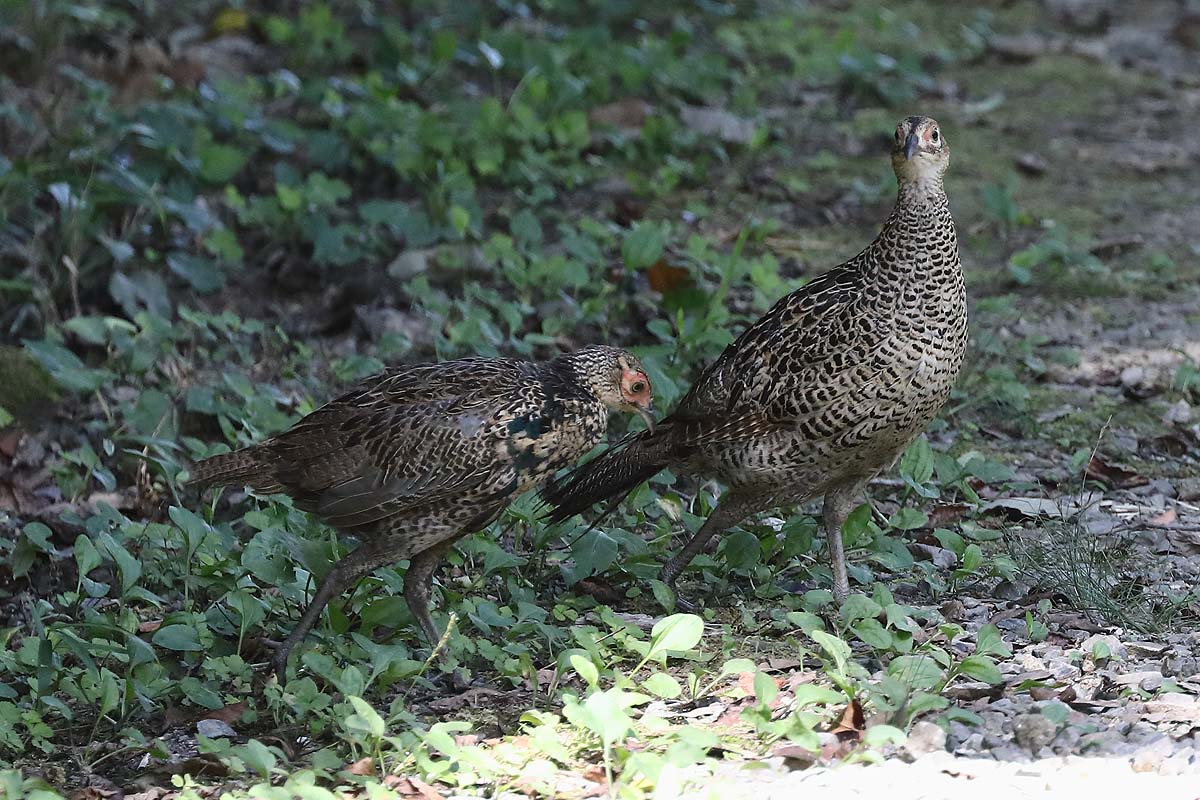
(416, 457)
(826, 389)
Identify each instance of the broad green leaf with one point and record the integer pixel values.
(178, 637)
(916, 671)
(86, 555)
(220, 162)
(988, 642)
(859, 606)
(981, 668)
(662, 685)
(765, 688)
(257, 756)
(907, 519)
(674, 633)
(834, 647)
(365, 718)
(643, 245)
(916, 465)
(872, 633)
(586, 669)
(604, 715)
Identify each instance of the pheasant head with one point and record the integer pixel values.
(617, 378)
(920, 154)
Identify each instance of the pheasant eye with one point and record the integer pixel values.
(934, 137)
(637, 387)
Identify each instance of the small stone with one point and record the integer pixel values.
(1033, 164)
(215, 729)
(1033, 731)
(1151, 683)
(924, 738)
(1178, 413)
(410, 264)
(1137, 678)
(1116, 650)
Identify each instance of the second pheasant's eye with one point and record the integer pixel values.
(637, 387)
(934, 136)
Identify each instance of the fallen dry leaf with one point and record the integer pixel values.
(663, 277)
(1114, 476)
(364, 766)
(851, 724)
(228, 714)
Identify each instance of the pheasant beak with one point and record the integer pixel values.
(646, 412)
(911, 145)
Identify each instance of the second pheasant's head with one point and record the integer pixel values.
(920, 154)
(617, 379)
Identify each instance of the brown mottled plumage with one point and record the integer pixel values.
(828, 387)
(416, 457)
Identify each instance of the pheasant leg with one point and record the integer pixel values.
(733, 509)
(364, 560)
(418, 585)
(839, 502)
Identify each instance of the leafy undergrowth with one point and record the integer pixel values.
(213, 216)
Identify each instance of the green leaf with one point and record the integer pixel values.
(202, 273)
(128, 566)
(859, 606)
(662, 685)
(365, 718)
(220, 162)
(741, 550)
(86, 555)
(586, 669)
(605, 716)
(874, 634)
(178, 637)
(857, 526)
(674, 633)
(200, 694)
(765, 688)
(460, 219)
(907, 519)
(972, 558)
(981, 668)
(593, 552)
(736, 666)
(916, 465)
(643, 245)
(257, 756)
(916, 671)
(834, 647)
(988, 642)
(290, 197)
(950, 540)
(663, 594)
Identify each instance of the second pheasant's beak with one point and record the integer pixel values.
(647, 414)
(911, 145)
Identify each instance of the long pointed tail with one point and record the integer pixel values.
(613, 474)
(241, 467)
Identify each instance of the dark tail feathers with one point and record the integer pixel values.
(241, 467)
(613, 474)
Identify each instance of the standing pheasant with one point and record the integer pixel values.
(416, 457)
(826, 389)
